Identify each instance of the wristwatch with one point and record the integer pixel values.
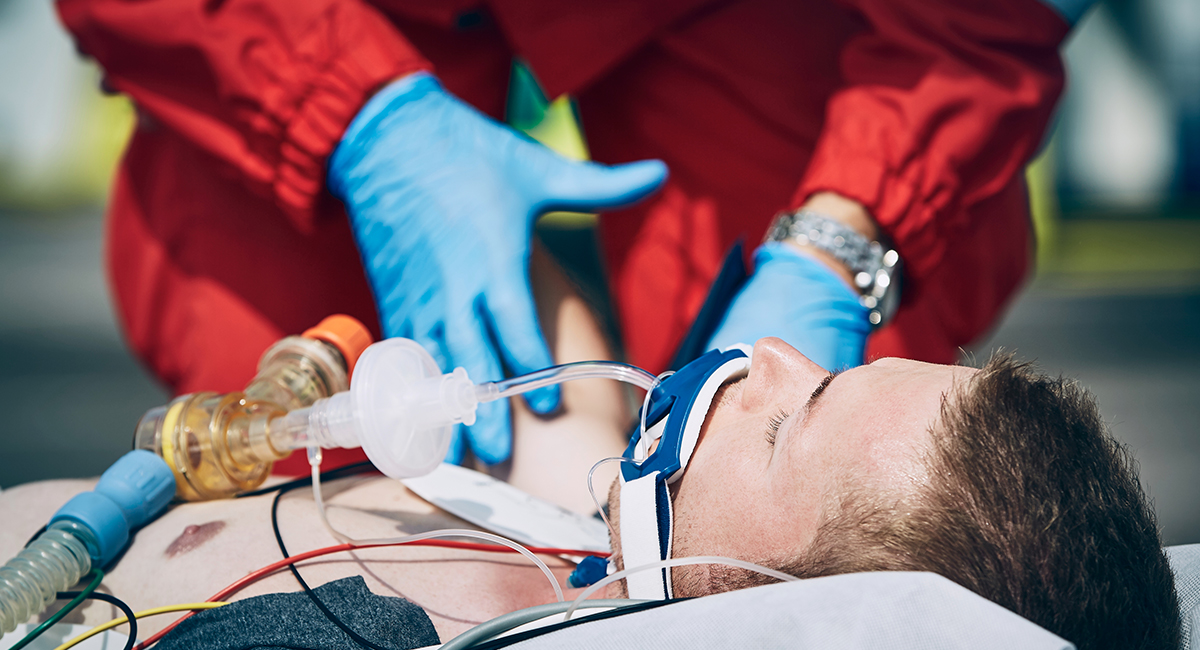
(875, 266)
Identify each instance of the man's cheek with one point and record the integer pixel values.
(614, 510)
(614, 516)
(616, 590)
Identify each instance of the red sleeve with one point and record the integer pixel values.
(268, 86)
(944, 103)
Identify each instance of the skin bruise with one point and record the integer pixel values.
(194, 537)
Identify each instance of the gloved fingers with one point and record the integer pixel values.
(845, 328)
(829, 344)
(394, 326)
(491, 435)
(830, 337)
(736, 327)
(513, 317)
(585, 186)
(802, 301)
(754, 313)
(851, 352)
(432, 338)
(470, 347)
(434, 342)
(455, 453)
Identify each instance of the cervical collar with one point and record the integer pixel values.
(673, 416)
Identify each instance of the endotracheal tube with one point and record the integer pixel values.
(401, 409)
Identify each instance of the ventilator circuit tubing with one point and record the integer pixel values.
(86, 533)
(50, 564)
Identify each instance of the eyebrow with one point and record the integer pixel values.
(814, 400)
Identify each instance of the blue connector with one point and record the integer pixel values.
(588, 572)
(129, 495)
(89, 531)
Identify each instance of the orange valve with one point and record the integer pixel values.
(346, 334)
(219, 445)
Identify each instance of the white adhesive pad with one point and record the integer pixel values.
(505, 510)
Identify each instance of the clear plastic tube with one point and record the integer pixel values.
(371, 417)
(57, 559)
(643, 443)
(592, 490)
(314, 460)
(674, 562)
(330, 422)
(401, 409)
(495, 390)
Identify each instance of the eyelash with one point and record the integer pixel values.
(773, 425)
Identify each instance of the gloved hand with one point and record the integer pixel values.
(442, 202)
(802, 301)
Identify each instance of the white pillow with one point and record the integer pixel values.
(855, 611)
(1185, 562)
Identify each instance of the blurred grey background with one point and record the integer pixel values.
(1116, 302)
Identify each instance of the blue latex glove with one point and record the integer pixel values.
(442, 202)
(802, 301)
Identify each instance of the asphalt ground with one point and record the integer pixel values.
(71, 393)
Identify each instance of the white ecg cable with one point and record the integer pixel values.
(674, 562)
(314, 461)
(591, 489)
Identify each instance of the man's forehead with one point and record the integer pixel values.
(907, 379)
(877, 422)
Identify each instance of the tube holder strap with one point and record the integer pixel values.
(643, 539)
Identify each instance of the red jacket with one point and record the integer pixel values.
(222, 238)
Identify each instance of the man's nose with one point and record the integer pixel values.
(778, 370)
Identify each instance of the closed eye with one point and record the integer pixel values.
(814, 399)
(773, 424)
(776, 421)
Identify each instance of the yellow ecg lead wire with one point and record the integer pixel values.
(166, 609)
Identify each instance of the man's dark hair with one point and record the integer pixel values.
(1030, 504)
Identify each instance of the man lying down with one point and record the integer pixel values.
(999, 479)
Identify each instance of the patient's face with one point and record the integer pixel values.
(757, 491)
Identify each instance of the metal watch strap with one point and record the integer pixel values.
(874, 266)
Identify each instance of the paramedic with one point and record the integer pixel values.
(907, 121)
